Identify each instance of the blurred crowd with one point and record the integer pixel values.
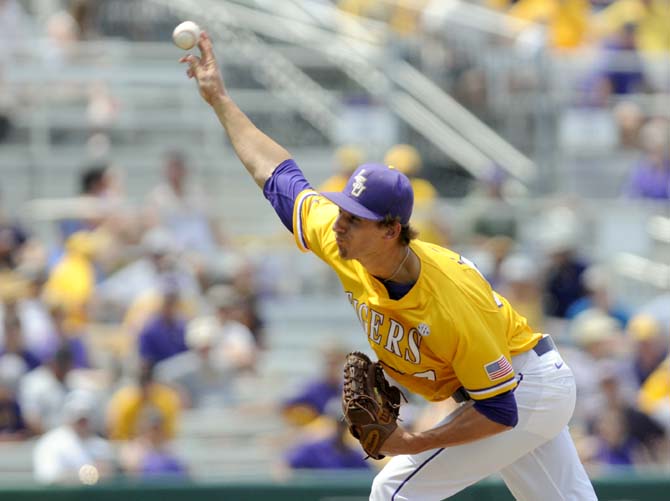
(565, 24)
(610, 55)
(602, 65)
(127, 320)
(131, 318)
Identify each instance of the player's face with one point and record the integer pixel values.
(356, 238)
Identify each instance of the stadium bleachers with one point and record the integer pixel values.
(159, 110)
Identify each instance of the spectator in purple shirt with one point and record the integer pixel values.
(12, 425)
(159, 463)
(329, 453)
(15, 345)
(562, 284)
(310, 402)
(65, 337)
(13, 239)
(164, 334)
(158, 459)
(621, 65)
(616, 446)
(650, 176)
(150, 456)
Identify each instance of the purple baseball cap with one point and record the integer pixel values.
(375, 191)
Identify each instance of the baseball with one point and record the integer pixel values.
(186, 35)
(88, 474)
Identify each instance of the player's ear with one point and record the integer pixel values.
(392, 230)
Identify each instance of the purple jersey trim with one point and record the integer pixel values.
(500, 409)
(297, 230)
(490, 388)
(283, 187)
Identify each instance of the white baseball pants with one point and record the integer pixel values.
(536, 459)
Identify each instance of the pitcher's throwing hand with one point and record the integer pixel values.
(206, 71)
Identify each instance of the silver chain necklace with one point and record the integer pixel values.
(399, 267)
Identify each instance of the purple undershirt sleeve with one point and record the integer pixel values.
(501, 408)
(282, 188)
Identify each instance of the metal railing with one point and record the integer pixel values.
(280, 75)
(359, 51)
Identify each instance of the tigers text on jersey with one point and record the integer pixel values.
(450, 330)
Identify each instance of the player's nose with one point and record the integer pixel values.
(340, 225)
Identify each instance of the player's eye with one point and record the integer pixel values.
(349, 218)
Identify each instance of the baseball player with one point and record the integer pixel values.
(432, 320)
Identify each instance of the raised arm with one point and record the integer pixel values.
(258, 152)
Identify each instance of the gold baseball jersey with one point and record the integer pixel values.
(450, 330)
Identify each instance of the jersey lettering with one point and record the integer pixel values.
(414, 345)
(396, 333)
(376, 319)
(390, 334)
(363, 316)
(354, 303)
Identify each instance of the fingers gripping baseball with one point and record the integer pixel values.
(205, 70)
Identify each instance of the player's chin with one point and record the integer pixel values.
(342, 251)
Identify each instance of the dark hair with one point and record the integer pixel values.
(407, 233)
(91, 177)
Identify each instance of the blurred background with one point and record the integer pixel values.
(159, 332)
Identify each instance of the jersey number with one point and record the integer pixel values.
(429, 374)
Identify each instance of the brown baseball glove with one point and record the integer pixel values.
(369, 403)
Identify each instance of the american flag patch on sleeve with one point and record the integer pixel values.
(498, 369)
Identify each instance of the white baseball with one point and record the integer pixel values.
(186, 35)
(88, 474)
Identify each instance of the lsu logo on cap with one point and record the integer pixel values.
(359, 184)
